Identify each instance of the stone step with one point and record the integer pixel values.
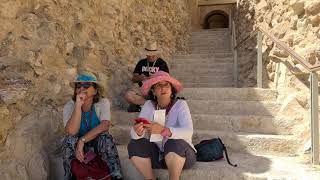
(214, 40)
(206, 79)
(201, 60)
(262, 108)
(231, 123)
(210, 34)
(235, 141)
(184, 69)
(216, 30)
(193, 34)
(230, 94)
(208, 85)
(182, 66)
(208, 43)
(213, 43)
(207, 46)
(252, 143)
(211, 46)
(223, 80)
(224, 54)
(187, 71)
(247, 123)
(209, 51)
(250, 167)
(209, 39)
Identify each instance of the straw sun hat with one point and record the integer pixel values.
(86, 77)
(151, 49)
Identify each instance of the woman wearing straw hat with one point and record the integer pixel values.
(144, 69)
(175, 151)
(87, 119)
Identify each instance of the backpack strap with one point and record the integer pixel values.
(226, 152)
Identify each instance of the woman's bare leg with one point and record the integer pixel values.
(144, 166)
(175, 164)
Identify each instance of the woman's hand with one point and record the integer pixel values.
(155, 128)
(139, 128)
(81, 96)
(79, 151)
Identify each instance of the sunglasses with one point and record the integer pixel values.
(84, 85)
(165, 85)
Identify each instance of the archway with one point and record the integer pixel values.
(216, 19)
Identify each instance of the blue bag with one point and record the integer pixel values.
(211, 150)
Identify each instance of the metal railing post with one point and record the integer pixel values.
(259, 60)
(277, 75)
(314, 118)
(235, 56)
(235, 68)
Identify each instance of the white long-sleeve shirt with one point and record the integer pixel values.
(178, 120)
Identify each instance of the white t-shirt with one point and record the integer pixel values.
(178, 120)
(102, 109)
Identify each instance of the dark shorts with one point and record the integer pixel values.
(145, 149)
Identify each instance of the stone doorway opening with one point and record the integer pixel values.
(216, 19)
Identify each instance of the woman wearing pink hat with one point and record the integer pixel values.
(175, 150)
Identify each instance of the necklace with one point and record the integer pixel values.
(149, 65)
(87, 123)
(166, 108)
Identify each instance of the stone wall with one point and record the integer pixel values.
(295, 22)
(43, 44)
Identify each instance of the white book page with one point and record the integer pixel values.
(158, 117)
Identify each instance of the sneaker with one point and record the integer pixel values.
(134, 108)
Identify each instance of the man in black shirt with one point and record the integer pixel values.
(143, 71)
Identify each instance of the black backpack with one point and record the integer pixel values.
(211, 150)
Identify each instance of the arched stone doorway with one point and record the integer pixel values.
(216, 19)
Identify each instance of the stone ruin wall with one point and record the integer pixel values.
(42, 46)
(294, 22)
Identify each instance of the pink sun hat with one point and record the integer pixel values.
(157, 77)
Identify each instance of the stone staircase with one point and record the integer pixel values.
(246, 119)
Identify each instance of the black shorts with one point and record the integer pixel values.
(146, 149)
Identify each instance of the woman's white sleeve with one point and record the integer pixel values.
(185, 129)
(67, 112)
(105, 110)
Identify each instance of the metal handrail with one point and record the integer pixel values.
(309, 67)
